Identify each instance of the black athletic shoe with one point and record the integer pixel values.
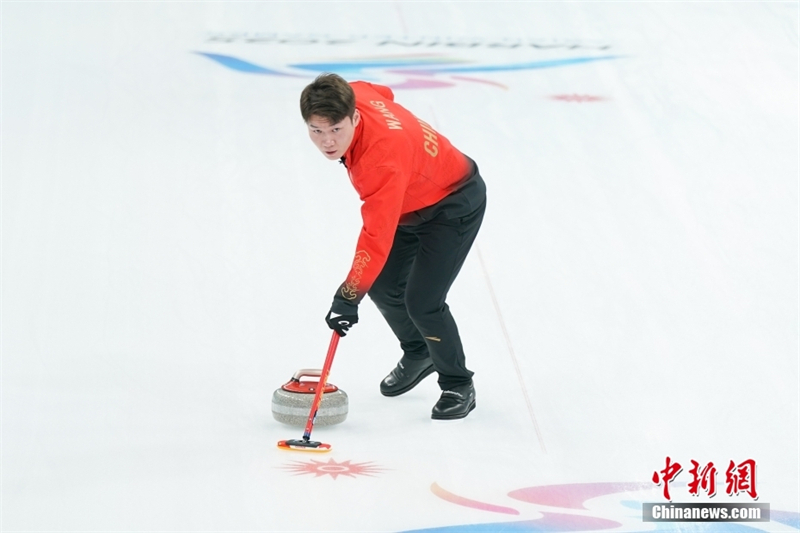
(456, 402)
(406, 375)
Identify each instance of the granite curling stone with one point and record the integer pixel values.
(291, 403)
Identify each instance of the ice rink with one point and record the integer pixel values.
(171, 241)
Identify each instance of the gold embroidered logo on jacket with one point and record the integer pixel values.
(350, 288)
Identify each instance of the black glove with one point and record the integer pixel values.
(341, 323)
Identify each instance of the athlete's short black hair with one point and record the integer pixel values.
(329, 96)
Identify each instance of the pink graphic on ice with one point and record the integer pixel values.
(459, 500)
(574, 495)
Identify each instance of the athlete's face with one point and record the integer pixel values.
(333, 140)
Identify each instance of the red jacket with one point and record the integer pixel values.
(397, 164)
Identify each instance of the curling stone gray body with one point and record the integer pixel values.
(291, 403)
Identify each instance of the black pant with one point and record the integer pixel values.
(426, 256)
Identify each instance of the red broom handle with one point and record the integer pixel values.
(323, 379)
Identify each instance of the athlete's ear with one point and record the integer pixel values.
(356, 118)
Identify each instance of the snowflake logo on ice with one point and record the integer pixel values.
(333, 469)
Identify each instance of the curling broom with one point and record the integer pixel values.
(305, 444)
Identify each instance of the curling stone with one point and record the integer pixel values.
(291, 403)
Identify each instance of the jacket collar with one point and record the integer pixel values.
(350, 157)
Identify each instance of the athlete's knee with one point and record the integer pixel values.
(422, 307)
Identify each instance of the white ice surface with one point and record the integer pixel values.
(171, 241)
